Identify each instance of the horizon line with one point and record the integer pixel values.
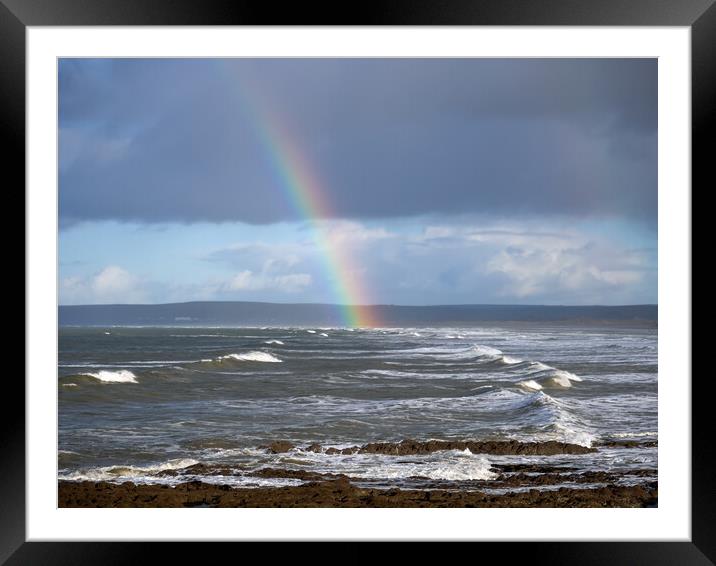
(343, 305)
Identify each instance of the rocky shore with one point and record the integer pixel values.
(510, 484)
(341, 492)
(413, 447)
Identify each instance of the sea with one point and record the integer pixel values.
(147, 404)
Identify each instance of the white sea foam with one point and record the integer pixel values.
(162, 362)
(485, 350)
(274, 342)
(633, 434)
(311, 331)
(252, 357)
(568, 375)
(69, 385)
(509, 360)
(469, 468)
(149, 474)
(323, 334)
(121, 376)
(547, 376)
(202, 335)
(530, 384)
(443, 465)
(114, 473)
(574, 436)
(559, 378)
(449, 353)
(133, 363)
(557, 381)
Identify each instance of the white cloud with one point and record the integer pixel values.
(112, 284)
(112, 281)
(293, 266)
(489, 261)
(536, 269)
(348, 233)
(475, 261)
(436, 232)
(249, 281)
(340, 235)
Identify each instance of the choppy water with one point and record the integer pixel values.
(134, 401)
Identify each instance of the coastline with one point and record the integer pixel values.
(537, 484)
(340, 492)
(516, 417)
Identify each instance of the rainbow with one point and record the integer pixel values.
(310, 199)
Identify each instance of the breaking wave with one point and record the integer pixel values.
(252, 357)
(547, 376)
(121, 376)
(122, 473)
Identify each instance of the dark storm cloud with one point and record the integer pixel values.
(176, 140)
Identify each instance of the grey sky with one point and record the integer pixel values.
(173, 141)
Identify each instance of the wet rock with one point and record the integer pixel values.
(279, 446)
(295, 474)
(496, 447)
(341, 493)
(628, 444)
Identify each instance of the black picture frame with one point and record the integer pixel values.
(17, 15)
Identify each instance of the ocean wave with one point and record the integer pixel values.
(443, 352)
(554, 419)
(558, 379)
(398, 374)
(567, 426)
(202, 335)
(530, 384)
(121, 376)
(539, 366)
(574, 435)
(456, 465)
(67, 458)
(254, 356)
(633, 434)
(274, 342)
(133, 363)
(460, 467)
(548, 376)
(485, 351)
(121, 473)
